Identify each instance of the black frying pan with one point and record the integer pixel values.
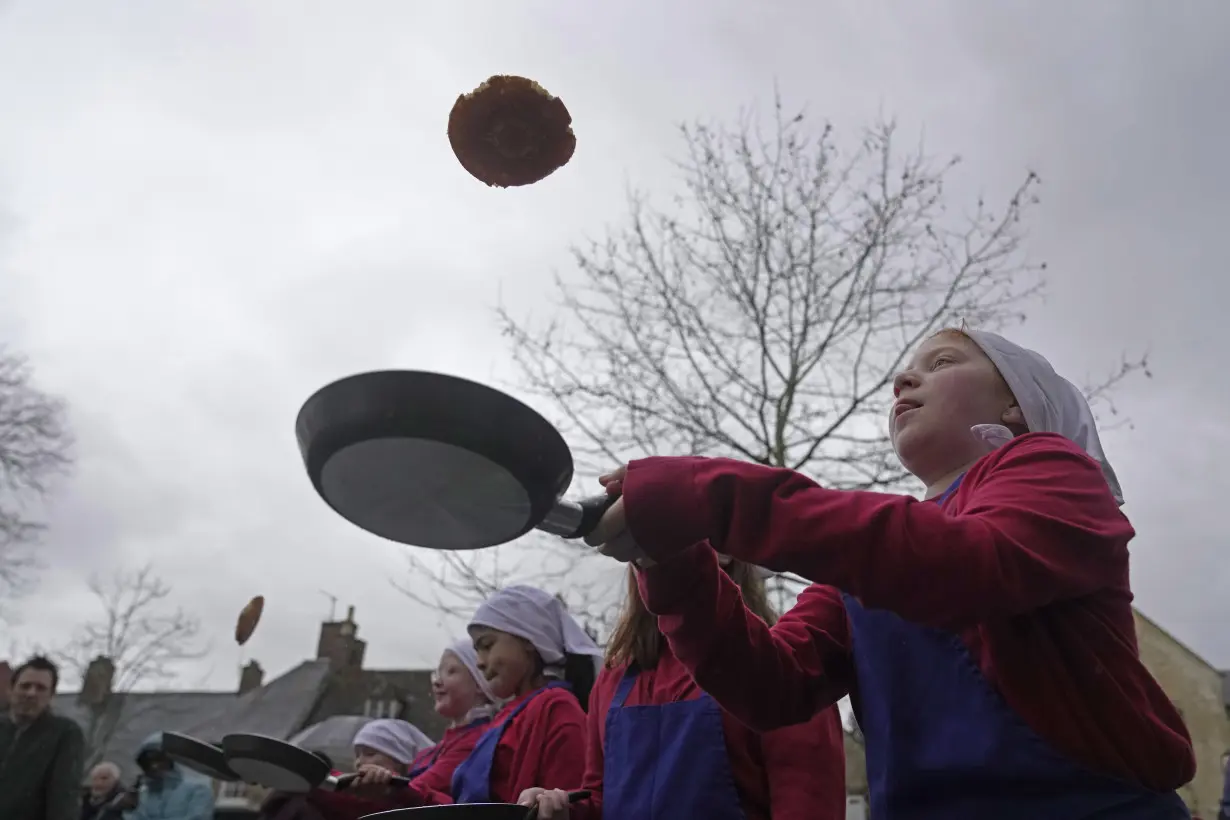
(440, 462)
(281, 766)
(469, 811)
(197, 755)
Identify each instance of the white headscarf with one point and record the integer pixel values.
(463, 650)
(396, 738)
(1049, 402)
(538, 617)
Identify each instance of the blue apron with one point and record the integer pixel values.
(942, 744)
(472, 779)
(666, 761)
(431, 759)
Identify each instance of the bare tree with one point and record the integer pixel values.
(763, 313)
(141, 634)
(34, 449)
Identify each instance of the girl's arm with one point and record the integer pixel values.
(806, 767)
(1038, 524)
(766, 677)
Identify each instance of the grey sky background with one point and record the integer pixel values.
(210, 208)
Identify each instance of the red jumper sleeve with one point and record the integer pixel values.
(439, 776)
(806, 768)
(1038, 525)
(595, 757)
(560, 759)
(801, 665)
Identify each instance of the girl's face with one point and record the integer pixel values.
(366, 755)
(454, 688)
(949, 387)
(507, 662)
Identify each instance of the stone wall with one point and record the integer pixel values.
(1195, 687)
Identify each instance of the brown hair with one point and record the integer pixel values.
(636, 638)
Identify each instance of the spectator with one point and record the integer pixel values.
(41, 752)
(168, 792)
(103, 794)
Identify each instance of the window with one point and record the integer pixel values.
(382, 708)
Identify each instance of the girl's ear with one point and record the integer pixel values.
(1014, 419)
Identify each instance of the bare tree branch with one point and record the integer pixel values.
(765, 312)
(140, 633)
(34, 450)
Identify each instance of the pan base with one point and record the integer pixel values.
(426, 493)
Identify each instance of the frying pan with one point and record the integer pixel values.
(197, 755)
(281, 766)
(469, 811)
(440, 462)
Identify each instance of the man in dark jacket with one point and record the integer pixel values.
(41, 754)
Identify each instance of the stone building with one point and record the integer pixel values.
(1199, 691)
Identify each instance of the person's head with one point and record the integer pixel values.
(636, 638)
(33, 683)
(458, 687)
(103, 779)
(524, 637)
(949, 387)
(961, 383)
(388, 743)
(152, 760)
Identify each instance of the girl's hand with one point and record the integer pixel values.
(552, 803)
(373, 781)
(611, 536)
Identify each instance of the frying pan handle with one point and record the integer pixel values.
(343, 781)
(592, 509)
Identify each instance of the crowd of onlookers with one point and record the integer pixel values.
(42, 766)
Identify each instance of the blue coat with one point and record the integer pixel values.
(177, 795)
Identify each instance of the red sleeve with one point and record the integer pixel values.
(595, 759)
(561, 763)
(1038, 524)
(806, 768)
(439, 776)
(802, 664)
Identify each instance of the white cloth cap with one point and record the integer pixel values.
(1049, 402)
(464, 651)
(538, 617)
(396, 738)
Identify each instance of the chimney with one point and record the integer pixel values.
(96, 685)
(340, 645)
(6, 683)
(251, 677)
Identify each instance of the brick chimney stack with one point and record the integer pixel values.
(6, 683)
(251, 677)
(340, 644)
(97, 683)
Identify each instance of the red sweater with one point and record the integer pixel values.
(542, 746)
(1027, 561)
(794, 773)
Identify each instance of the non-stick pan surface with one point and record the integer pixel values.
(197, 755)
(432, 460)
(273, 763)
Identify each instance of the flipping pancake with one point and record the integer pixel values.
(510, 131)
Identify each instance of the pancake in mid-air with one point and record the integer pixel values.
(510, 131)
(249, 617)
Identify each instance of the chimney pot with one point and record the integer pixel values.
(97, 683)
(252, 676)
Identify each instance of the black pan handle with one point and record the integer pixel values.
(579, 794)
(343, 781)
(577, 519)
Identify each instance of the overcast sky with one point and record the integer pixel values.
(213, 207)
